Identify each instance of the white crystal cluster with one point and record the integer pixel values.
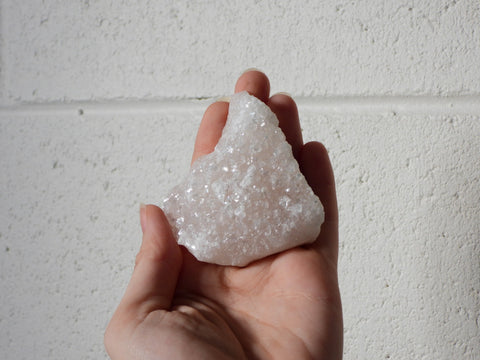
(247, 199)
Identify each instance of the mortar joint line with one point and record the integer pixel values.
(462, 104)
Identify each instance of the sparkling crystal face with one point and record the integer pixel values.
(247, 199)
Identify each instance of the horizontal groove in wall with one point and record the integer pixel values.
(326, 105)
(399, 105)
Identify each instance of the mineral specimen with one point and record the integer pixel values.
(247, 199)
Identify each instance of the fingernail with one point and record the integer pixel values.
(143, 216)
(284, 93)
(224, 99)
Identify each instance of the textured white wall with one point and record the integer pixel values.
(391, 87)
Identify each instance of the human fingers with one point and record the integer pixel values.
(153, 280)
(157, 266)
(215, 117)
(210, 129)
(315, 165)
(287, 114)
(255, 82)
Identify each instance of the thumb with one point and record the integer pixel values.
(157, 266)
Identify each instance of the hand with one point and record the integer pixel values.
(285, 306)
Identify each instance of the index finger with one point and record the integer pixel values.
(255, 83)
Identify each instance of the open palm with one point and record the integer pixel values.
(285, 306)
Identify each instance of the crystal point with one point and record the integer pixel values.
(247, 199)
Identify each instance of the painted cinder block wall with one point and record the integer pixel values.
(100, 102)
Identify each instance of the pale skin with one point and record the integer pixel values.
(285, 306)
